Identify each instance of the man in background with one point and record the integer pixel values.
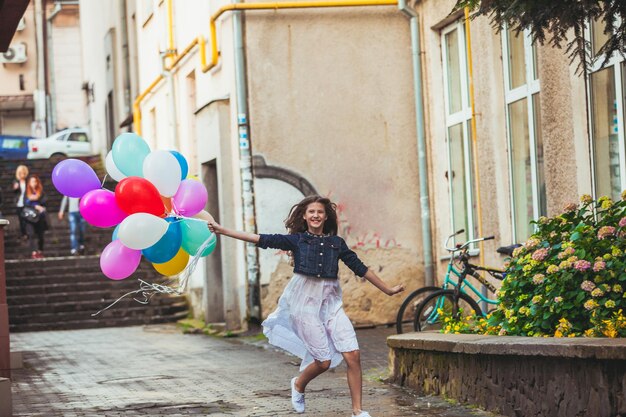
(78, 225)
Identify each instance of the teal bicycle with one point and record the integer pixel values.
(419, 311)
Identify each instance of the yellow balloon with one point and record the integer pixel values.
(173, 266)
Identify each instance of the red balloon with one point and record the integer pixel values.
(138, 195)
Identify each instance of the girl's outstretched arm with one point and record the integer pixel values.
(245, 236)
(381, 285)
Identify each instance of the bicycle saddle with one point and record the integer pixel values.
(508, 250)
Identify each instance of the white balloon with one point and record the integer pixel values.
(141, 230)
(162, 169)
(112, 169)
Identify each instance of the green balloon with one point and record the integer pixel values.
(195, 233)
(129, 150)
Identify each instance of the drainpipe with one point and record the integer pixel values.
(421, 141)
(52, 121)
(245, 167)
(40, 92)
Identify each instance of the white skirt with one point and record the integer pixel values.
(310, 323)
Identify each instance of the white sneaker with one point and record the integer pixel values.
(362, 414)
(297, 398)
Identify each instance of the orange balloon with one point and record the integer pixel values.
(167, 202)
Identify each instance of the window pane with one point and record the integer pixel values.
(605, 133)
(598, 37)
(517, 61)
(454, 71)
(522, 175)
(541, 177)
(457, 178)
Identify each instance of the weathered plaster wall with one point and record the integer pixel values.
(331, 99)
(558, 135)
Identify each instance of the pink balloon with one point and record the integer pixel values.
(100, 209)
(190, 198)
(119, 262)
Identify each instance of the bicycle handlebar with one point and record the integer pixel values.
(466, 244)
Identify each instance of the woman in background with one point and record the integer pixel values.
(34, 197)
(19, 188)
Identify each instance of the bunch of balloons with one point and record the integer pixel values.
(156, 209)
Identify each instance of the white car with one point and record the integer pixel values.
(67, 142)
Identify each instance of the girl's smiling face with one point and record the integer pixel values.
(315, 216)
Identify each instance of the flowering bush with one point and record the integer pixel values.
(567, 280)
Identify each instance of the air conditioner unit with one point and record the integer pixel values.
(16, 54)
(21, 25)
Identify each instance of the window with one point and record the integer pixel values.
(607, 93)
(78, 137)
(523, 107)
(458, 131)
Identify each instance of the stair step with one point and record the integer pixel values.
(94, 323)
(62, 291)
(80, 308)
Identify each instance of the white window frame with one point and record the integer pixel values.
(462, 117)
(525, 91)
(615, 61)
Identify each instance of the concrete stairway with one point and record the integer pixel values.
(62, 291)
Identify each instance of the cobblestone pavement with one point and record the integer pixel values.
(157, 371)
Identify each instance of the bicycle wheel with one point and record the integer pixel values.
(427, 314)
(406, 314)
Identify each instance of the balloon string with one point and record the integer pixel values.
(148, 290)
(104, 180)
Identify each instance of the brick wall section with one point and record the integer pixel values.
(515, 376)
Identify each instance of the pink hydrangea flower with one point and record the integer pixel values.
(531, 243)
(587, 286)
(540, 254)
(622, 222)
(558, 299)
(570, 207)
(599, 266)
(538, 279)
(582, 265)
(606, 231)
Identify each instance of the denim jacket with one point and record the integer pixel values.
(316, 256)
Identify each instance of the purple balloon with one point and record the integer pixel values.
(100, 209)
(119, 262)
(74, 178)
(190, 198)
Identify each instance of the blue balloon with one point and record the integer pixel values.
(167, 247)
(115, 232)
(184, 168)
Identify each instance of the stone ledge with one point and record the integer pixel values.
(578, 348)
(515, 376)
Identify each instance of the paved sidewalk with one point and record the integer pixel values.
(157, 371)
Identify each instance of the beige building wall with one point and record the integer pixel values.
(563, 125)
(66, 71)
(319, 105)
(194, 112)
(18, 81)
(331, 100)
(104, 67)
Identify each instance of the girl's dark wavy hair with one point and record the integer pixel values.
(295, 222)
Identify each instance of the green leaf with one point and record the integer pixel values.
(575, 236)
